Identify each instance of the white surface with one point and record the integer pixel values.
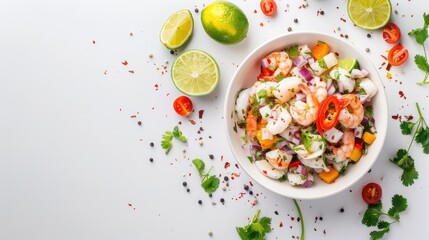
(246, 76)
(72, 159)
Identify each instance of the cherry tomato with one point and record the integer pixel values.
(183, 105)
(397, 55)
(268, 7)
(391, 33)
(328, 114)
(371, 193)
(295, 163)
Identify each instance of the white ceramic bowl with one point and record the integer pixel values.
(246, 75)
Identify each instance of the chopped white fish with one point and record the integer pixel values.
(305, 51)
(340, 165)
(266, 135)
(315, 163)
(265, 111)
(296, 179)
(279, 159)
(242, 103)
(320, 66)
(316, 147)
(344, 80)
(368, 86)
(268, 170)
(333, 135)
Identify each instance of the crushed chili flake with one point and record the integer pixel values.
(200, 114)
(133, 116)
(131, 71)
(343, 19)
(388, 67)
(402, 95)
(265, 172)
(221, 158)
(236, 165)
(251, 183)
(385, 58)
(254, 11)
(281, 224)
(125, 63)
(93, 42)
(156, 87)
(396, 117)
(226, 165)
(192, 121)
(409, 118)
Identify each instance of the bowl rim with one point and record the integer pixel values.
(381, 130)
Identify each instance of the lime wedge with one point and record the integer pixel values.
(177, 29)
(348, 64)
(369, 14)
(195, 73)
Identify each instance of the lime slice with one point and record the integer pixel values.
(195, 73)
(369, 14)
(177, 29)
(348, 64)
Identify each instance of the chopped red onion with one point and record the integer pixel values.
(363, 98)
(297, 134)
(264, 62)
(328, 83)
(307, 183)
(310, 60)
(306, 74)
(296, 141)
(364, 120)
(331, 90)
(372, 120)
(340, 86)
(257, 147)
(302, 170)
(356, 73)
(281, 144)
(358, 131)
(299, 61)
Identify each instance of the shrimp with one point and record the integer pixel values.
(286, 89)
(305, 113)
(352, 113)
(344, 151)
(280, 62)
(279, 121)
(320, 89)
(242, 103)
(278, 159)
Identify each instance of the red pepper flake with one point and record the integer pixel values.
(409, 118)
(200, 114)
(251, 184)
(396, 117)
(341, 35)
(131, 71)
(385, 58)
(236, 174)
(221, 158)
(226, 165)
(156, 87)
(129, 204)
(336, 54)
(125, 63)
(236, 165)
(402, 95)
(261, 24)
(292, 218)
(265, 172)
(254, 11)
(133, 116)
(192, 121)
(93, 42)
(281, 224)
(388, 67)
(343, 19)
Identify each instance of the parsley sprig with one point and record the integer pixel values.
(421, 136)
(167, 138)
(374, 212)
(421, 34)
(256, 229)
(209, 183)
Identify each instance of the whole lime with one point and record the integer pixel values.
(224, 22)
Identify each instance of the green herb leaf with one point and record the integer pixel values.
(178, 134)
(421, 34)
(421, 63)
(200, 165)
(408, 176)
(210, 184)
(422, 137)
(407, 127)
(322, 63)
(372, 214)
(399, 204)
(166, 141)
(406, 162)
(256, 229)
(375, 235)
(293, 51)
(383, 224)
(306, 140)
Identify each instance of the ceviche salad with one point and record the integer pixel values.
(309, 113)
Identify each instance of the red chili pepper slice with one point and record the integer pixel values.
(328, 114)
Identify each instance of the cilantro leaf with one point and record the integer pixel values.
(408, 176)
(166, 141)
(406, 127)
(293, 51)
(322, 63)
(179, 135)
(306, 140)
(421, 63)
(372, 214)
(421, 34)
(200, 165)
(422, 137)
(378, 234)
(210, 184)
(383, 224)
(399, 204)
(426, 20)
(256, 229)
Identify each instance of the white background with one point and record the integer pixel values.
(75, 165)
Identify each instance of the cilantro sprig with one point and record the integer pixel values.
(421, 35)
(421, 136)
(167, 138)
(256, 229)
(373, 213)
(209, 183)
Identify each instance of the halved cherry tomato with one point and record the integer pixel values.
(183, 105)
(391, 33)
(371, 193)
(397, 55)
(268, 7)
(327, 116)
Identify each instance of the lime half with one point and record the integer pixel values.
(177, 29)
(369, 14)
(348, 64)
(195, 73)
